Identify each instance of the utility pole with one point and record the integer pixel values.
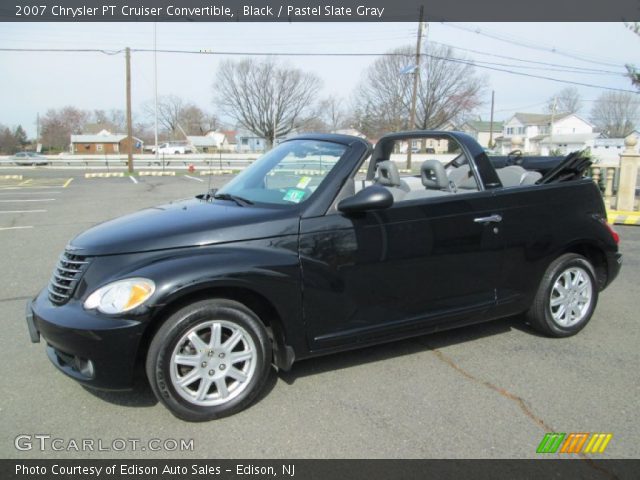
(37, 131)
(155, 87)
(491, 121)
(129, 127)
(275, 121)
(553, 116)
(416, 78)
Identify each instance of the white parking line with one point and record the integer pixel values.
(22, 211)
(14, 228)
(26, 188)
(194, 178)
(13, 200)
(133, 179)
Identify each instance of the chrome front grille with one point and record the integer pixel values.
(66, 276)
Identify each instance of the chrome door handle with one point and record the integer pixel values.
(490, 219)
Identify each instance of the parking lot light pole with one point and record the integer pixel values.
(129, 127)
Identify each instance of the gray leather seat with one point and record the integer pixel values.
(388, 176)
(515, 175)
(530, 178)
(462, 178)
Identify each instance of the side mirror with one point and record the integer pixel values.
(374, 197)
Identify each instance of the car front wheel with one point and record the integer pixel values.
(209, 359)
(566, 297)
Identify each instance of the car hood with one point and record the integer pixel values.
(185, 223)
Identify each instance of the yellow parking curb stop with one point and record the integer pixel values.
(104, 175)
(157, 174)
(622, 217)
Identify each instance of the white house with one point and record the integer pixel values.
(248, 142)
(608, 150)
(211, 141)
(564, 143)
(538, 135)
(482, 131)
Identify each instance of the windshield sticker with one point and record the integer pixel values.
(303, 182)
(293, 195)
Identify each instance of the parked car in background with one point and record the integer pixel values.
(298, 256)
(29, 158)
(172, 148)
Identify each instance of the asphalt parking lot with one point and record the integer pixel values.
(487, 391)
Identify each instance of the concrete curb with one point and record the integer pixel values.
(104, 175)
(621, 217)
(217, 172)
(10, 177)
(150, 173)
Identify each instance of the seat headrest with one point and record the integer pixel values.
(434, 176)
(388, 174)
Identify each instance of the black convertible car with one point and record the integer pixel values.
(302, 255)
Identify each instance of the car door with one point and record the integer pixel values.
(382, 274)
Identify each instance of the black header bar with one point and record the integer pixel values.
(319, 10)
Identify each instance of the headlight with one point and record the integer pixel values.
(121, 296)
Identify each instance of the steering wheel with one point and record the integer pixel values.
(514, 157)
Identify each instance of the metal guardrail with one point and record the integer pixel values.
(145, 160)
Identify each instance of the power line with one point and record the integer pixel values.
(324, 54)
(69, 50)
(531, 45)
(506, 57)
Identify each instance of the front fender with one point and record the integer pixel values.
(268, 268)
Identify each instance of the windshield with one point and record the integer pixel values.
(287, 175)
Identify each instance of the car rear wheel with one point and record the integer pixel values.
(209, 359)
(566, 298)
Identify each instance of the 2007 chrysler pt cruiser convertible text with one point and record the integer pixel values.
(299, 256)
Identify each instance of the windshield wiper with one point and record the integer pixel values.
(243, 202)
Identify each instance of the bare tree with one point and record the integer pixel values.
(113, 120)
(616, 113)
(567, 100)
(12, 141)
(382, 100)
(264, 96)
(332, 113)
(175, 116)
(196, 121)
(170, 108)
(448, 90)
(632, 71)
(57, 126)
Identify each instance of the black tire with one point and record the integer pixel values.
(160, 366)
(541, 315)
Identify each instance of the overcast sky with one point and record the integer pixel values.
(34, 82)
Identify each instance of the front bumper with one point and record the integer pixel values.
(95, 350)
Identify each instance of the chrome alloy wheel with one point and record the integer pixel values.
(213, 363)
(571, 297)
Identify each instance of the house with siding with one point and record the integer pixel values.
(483, 131)
(540, 133)
(210, 142)
(248, 142)
(104, 143)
